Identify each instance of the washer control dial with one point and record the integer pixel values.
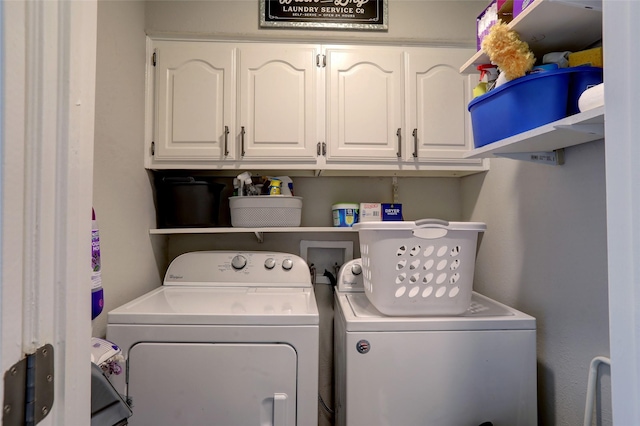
(238, 262)
(270, 263)
(287, 264)
(356, 269)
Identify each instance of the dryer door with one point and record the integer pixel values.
(212, 384)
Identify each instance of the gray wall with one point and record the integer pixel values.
(545, 248)
(410, 21)
(122, 195)
(420, 197)
(545, 253)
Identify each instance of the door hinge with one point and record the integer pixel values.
(153, 148)
(29, 389)
(153, 58)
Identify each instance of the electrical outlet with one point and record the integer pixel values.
(326, 255)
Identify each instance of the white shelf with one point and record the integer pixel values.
(573, 130)
(553, 25)
(169, 231)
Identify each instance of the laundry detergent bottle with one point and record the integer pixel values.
(97, 294)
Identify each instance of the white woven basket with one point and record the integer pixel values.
(424, 267)
(265, 211)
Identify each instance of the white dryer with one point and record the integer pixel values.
(467, 370)
(228, 339)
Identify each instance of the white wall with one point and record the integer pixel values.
(122, 194)
(545, 253)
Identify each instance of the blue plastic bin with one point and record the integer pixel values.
(582, 78)
(529, 102)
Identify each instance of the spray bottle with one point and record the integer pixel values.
(488, 76)
(97, 294)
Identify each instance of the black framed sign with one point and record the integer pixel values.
(341, 14)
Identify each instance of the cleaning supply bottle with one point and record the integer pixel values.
(488, 76)
(97, 293)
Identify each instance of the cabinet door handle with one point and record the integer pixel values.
(399, 134)
(226, 141)
(415, 143)
(318, 149)
(242, 141)
(324, 149)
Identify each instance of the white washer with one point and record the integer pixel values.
(442, 371)
(229, 339)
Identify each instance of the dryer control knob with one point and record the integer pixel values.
(270, 263)
(238, 262)
(287, 264)
(356, 269)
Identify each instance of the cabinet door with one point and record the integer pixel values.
(438, 124)
(364, 103)
(278, 98)
(194, 100)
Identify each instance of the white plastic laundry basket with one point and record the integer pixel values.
(419, 268)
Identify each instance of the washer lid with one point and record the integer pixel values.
(220, 305)
(483, 314)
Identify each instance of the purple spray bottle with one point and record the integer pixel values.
(97, 294)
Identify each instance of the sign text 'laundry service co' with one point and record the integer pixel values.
(343, 14)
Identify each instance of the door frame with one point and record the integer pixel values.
(622, 161)
(47, 108)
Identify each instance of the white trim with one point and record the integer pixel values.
(75, 181)
(12, 180)
(622, 132)
(47, 177)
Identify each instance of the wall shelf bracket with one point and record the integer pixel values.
(586, 128)
(553, 158)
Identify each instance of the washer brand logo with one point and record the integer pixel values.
(363, 346)
(175, 277)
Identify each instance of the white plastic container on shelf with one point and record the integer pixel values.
(264, 211)
(424, 267)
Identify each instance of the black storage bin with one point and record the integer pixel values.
(187, 201)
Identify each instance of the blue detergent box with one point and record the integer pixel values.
(391, 212)
(529, 102)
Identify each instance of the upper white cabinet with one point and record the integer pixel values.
(194, 102)
(364, 103)
(318, 109)
(215, 104)
(279, 102)
(401, 105)
(438, 124)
